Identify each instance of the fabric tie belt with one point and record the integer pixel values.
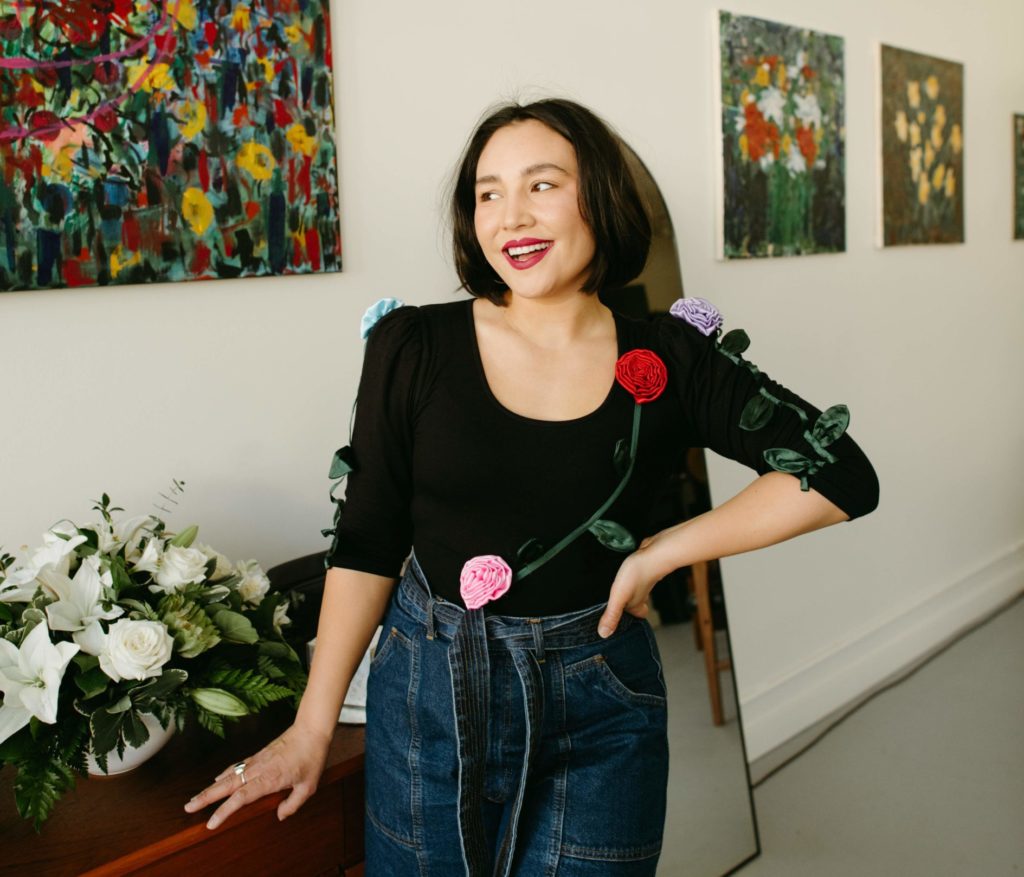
(472, 636)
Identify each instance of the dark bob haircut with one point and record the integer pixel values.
(610, 203)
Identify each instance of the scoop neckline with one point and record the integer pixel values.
(495, 402)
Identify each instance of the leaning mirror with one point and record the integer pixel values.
(711, 827)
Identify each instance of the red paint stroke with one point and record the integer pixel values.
(131, 234)
(131, 50)
(252, 209)
(805, 139)
(73, 275)
(201, 260)
(204, 171)
(313, 248)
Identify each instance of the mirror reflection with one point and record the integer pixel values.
(711, 826)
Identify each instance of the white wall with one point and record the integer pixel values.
(243, 388)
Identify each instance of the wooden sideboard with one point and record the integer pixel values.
(136, 824)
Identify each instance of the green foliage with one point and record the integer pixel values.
(193, 630)
(39, 784)
(235, 627)
(252, 687)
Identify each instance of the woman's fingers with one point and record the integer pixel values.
(255, 788)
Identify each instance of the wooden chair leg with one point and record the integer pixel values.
(706, 632)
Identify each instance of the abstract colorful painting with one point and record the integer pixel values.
(922, 148)
(783, 139)
(165, 141)
(1018, 177)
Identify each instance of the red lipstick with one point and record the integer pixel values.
(526, 253)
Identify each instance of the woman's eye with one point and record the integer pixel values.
(543, 187)
(488, 196)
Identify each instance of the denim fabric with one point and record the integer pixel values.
(512, 746)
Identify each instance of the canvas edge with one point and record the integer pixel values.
(718, 141)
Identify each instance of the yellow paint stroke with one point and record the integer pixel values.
(156, 79)
(193, 115)
(196, 209)
(781, 79)
(931, 87)
(914, 93)
(744, 146)
(923, 189)
(118, 263)
(950, 183)
(915, 134)
(787, 144)
(901, 126)
(293, 32)
(929, 154)
(940, 115)
(937, 136)
(268, 69)
(955, 139)
(185, 12)
(257, 160)
(937, 176)
(915, 163)
(300, 140)
(763, 76)
(240, 18)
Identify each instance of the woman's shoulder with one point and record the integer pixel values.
(687, 331)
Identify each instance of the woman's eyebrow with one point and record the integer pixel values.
(532, 169)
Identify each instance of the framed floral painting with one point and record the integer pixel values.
(782, 159)
(922, 127)
(1018, 177)
(165, 140)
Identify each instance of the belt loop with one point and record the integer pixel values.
(538, 638)
(430, 616)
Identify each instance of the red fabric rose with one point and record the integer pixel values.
(643, 374)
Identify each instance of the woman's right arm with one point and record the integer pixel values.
(353, 605)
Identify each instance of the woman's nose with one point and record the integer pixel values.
(517, 213)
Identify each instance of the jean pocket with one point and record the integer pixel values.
(393, 639)
(626, 667)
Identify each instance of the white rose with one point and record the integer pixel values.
(224, 568)
(254, 584)
(135, 649)
(178, 567)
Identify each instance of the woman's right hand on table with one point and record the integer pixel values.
(294, 761)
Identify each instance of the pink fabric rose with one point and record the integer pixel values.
(484, 578)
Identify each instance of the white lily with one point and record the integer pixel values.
(128, 533)
(30, 679)
(53, 556)
(79, 607)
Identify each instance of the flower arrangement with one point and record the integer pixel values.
(113, 620)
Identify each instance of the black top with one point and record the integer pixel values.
(442, 467)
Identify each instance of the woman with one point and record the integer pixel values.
(516, 713)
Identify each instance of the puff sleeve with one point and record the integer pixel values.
(374, 529)
(719, 390)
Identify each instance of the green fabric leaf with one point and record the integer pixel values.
(235, 627)
(831, 424)
(785, 460)
(757, 412)
(529, 551)
(613, 536)
(735, 341)
(274, 649)
(342, 463)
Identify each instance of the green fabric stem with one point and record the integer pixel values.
(586, 525)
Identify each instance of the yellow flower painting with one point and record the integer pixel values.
(922, 149)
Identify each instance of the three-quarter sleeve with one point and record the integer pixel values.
(374, 531)
(715, 391)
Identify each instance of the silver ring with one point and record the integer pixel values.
(240, 771)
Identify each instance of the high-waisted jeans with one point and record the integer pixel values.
(511, 745)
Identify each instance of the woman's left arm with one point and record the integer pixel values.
(771, 509)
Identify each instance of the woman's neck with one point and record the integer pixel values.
(554, 324)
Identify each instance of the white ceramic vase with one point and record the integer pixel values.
(135, 756)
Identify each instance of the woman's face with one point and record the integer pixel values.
(527, 217)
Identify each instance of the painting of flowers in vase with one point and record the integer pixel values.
(179, 140)
(922, 148)
(783, 186)
(1018, 177)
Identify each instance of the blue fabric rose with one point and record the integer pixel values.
(375, 311)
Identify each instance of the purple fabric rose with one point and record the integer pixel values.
(699, 313)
